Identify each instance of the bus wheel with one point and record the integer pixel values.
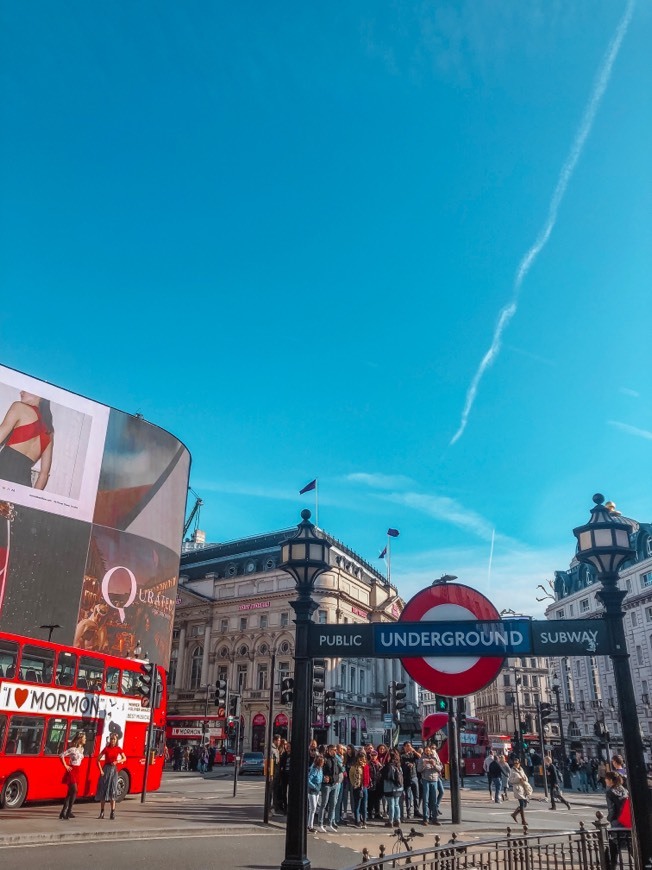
(14, 792)
(122, 786)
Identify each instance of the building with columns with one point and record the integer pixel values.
(233, 622)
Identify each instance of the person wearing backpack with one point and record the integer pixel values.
(392, 777)
(555, 781)
(495, 774)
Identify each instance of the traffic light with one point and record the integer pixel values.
(221, 692)
(287, 690)
(522, 726)
(234, 705)
(398, 697)
(600, 729)
(318, 676)
(329, 703)
(547, 713)
(441, 704)
(461, 720)
(145, 679)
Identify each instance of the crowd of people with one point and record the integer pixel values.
(349, 786)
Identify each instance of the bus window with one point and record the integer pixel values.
(112, 684)
(25, 735)
(90, 674)
(130, 683)
(66, 665)
(55, 739)
(89, 729)
(3, 728)
(159, 741)
(37, 664)
(8, 656)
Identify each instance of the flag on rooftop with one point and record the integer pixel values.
(383, 553)
(309, 487)
(393, 533)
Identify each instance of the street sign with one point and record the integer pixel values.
(388, 720)
(571, 637)
(459, 675)
(450, 638)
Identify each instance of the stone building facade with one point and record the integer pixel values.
(233, 621)
(587, 688)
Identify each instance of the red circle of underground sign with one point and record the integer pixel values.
(479, 675)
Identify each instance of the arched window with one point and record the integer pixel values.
(195, 667)
(172, 671)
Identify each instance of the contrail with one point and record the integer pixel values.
(506, 314)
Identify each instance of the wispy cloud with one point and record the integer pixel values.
(380, 481)
(399, 489)
(446, 509)
(516, 572)
(631, 430)
(627, 392)
(567, 170)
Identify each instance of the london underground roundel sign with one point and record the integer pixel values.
(454, 676)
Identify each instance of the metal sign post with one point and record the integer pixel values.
(150, 730)
(454, 765)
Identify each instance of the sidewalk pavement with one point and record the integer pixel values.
(187, 806)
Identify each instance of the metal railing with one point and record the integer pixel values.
(598, 849)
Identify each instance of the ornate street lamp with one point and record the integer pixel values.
(304, 556)
(604, 543)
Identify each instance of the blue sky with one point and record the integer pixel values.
(286, 233)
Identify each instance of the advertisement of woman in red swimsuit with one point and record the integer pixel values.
(27, 436)
(51, 446)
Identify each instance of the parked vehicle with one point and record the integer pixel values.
(252, 762)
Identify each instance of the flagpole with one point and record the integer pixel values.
(389, 560)
(317, 502)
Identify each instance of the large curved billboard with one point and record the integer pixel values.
(92, 502)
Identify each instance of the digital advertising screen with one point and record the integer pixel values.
(92, 504)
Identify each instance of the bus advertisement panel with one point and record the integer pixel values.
(48, 694)
(92, 503)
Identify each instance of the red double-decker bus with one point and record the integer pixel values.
(48, 694)
(474, 740)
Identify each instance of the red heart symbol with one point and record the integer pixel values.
(21, 696)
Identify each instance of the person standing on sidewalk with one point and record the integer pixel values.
(505, 772)
(327, 789)
(392, 777)
(315, 779)
(359, 779)
(71, 760)
(107, 787)
(430, 768)
(495, 774)
(485, 766)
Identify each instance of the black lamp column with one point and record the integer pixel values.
(304, 557)
(604, 543)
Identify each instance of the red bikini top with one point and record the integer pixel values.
(30, 430)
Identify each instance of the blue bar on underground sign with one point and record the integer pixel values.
(413, 639)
